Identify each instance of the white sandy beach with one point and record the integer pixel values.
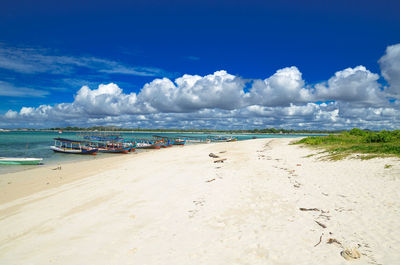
(176, 206)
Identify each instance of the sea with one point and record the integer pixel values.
(37, 144)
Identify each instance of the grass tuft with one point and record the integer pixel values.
(374, 144)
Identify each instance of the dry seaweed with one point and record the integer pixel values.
(309, 209)
(320, 239)
(333, 240)
(320, 224)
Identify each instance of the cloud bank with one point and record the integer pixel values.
(352, 97)
(390, 66)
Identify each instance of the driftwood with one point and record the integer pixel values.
(212, 155)
(309, 209)
(333, 240)
(320, 224)
(220, 160)
(320, 239)
(210, 180)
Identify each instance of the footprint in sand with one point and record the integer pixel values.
(198, 203)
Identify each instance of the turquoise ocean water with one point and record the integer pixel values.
(37, 144)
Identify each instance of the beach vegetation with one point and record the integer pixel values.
(356, 141)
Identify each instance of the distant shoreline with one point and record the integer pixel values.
(186, 132)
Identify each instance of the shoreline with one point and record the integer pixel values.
(56, 158)
(177, 206)
(35, 178)
(28, 181)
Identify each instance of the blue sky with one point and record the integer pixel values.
(50, 50)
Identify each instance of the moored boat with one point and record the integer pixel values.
(149, 145)
(20, 161)
(166, 143)
(72, 147)
(114, 147)
(170, 141)
(192, 139)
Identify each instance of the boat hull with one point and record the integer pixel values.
(179, 142)
(20, 161)
(153, 146)
(124, 150)
(92, 151)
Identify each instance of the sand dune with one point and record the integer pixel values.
(267, 203)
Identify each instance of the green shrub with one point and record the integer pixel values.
(380, 137)
(357, 132)
(358, 141)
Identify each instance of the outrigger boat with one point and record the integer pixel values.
(171, 140)
(148, 143)
(20, 161)
(195, 140)
(113, 147)
(166, 143)
(109, 143)
(72, 147)
(142, 145)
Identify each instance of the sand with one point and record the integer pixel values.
(176, 206)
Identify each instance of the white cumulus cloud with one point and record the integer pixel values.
(284, 87)
(192, 92)
(106, 100)
(357, 85)
(390, 67)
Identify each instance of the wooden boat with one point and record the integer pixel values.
(171, 140)
(20, 161)
(194, 140)
(149, 144)
(109, 143)
(166, 143)
(179, 141)
(111, 147)
(72, 147)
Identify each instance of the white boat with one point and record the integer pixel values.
(72, 147)
(20, 160)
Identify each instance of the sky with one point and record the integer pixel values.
(308, 64)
